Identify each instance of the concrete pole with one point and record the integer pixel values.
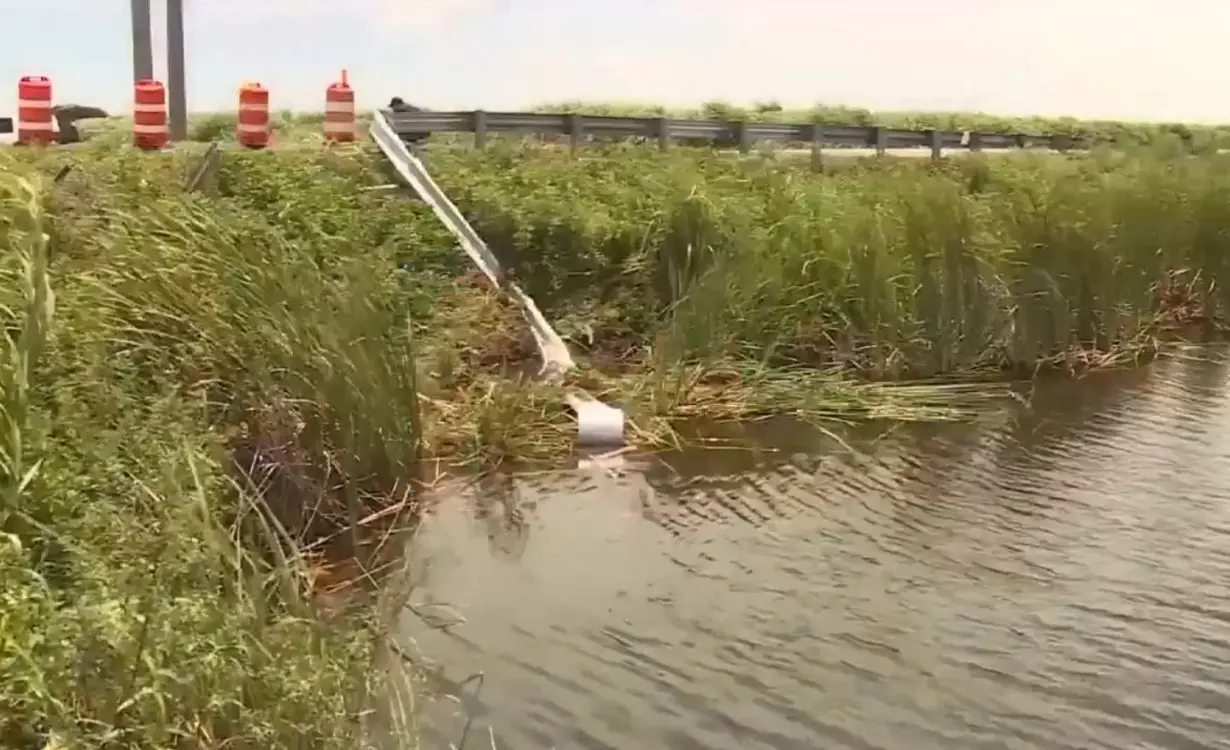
(177, 92)
(142, 42)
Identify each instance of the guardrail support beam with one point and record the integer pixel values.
(576, 131)
(935, 138)
(817, 147)
(879, 140)
(480, 129)
(742, 136)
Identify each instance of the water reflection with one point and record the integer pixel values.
(1057, 578)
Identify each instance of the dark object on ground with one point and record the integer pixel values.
(68, 114)
(397, 104)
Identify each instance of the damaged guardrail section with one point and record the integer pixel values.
(596, 422)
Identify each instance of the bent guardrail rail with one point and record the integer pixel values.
(556, 360)
(67, 116)
(742, 134)
(597, 423)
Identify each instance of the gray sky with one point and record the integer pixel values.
(1123, 59)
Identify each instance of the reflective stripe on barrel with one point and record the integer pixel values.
(339, 124)
(252, 125)
(34, 110)
(149, 115)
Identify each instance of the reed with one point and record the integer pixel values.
(892, 270)
(157, 591)
(304, 311)
(204, 394)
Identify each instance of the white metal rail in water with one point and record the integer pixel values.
(596, 422)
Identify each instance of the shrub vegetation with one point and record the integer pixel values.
(217, 404)
(894, 269)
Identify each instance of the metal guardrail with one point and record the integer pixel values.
(556, 359)
(597, 423)
(741, 134)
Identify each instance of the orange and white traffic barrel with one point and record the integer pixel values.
(34, 110)
(149, 115)
(339, 111)
(252, 126)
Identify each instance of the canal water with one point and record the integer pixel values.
(1048, 578)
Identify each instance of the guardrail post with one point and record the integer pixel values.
(663, 126)
(936, 140)
(576, 131)
(879, 139)
(817, 146)
(480, 129)
(975, 141)
(207, 169)
(742, 135)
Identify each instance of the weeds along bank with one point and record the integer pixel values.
(890, 269)
(202, 391)
(150, 596)
(203, 396)
(295, 300)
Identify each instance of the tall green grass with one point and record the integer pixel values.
(894, 268)
(192, 404)
(203, 394)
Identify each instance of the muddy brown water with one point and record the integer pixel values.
(1050, 579)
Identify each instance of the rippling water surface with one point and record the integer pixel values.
(1054, 579)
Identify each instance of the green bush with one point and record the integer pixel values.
(153, 593)
(896, 266)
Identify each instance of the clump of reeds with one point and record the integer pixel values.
(288, 299)
(891, 270)
(228, 409)
(157, 594)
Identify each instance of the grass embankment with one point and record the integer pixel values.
(204, 394)
(153, 593)
(230, 381)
